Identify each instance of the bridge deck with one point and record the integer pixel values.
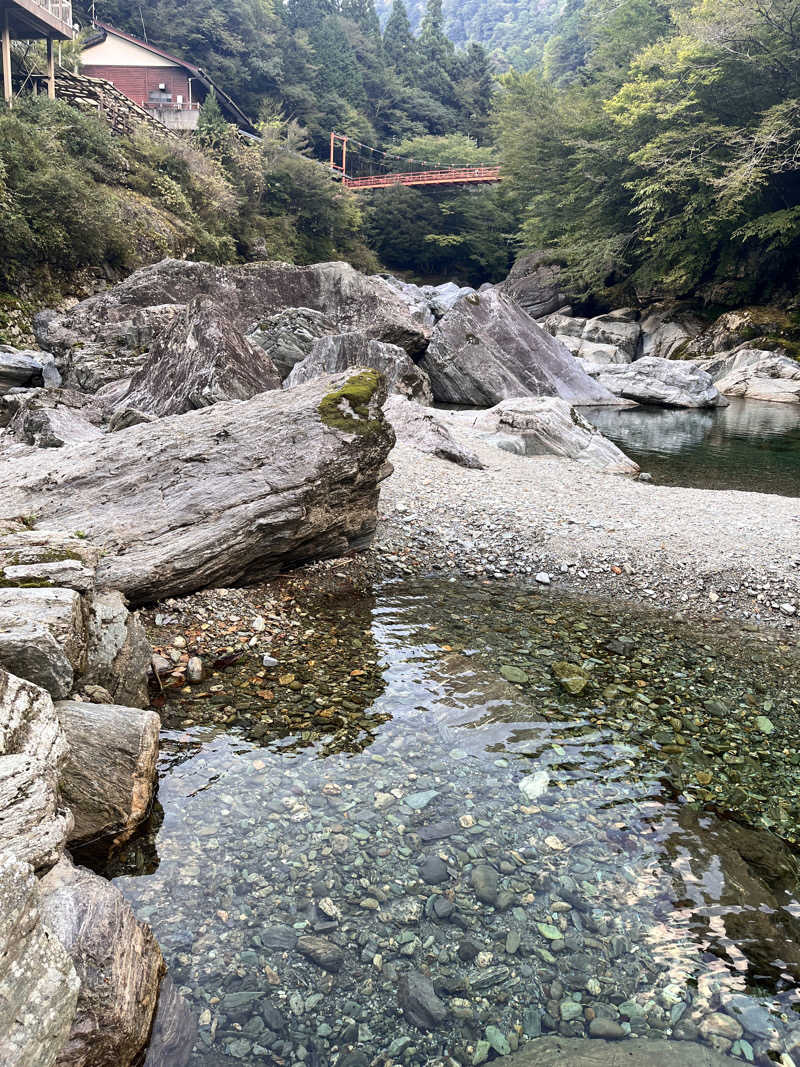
(450, 176)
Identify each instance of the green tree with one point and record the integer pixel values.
(398, 44)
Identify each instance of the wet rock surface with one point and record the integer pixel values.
(116, 959)
(108, 778)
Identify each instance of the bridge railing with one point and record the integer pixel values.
(427, 177)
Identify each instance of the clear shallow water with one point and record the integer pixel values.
(751, 445)
(356, 798)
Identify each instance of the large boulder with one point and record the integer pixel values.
(95, 354)
(613, 338)
(231, 493)
(34, 824)
(38, 983)
(548, 426)
(288, 336)
(343, 351)
(108, 778)
(41, 423)
(536, 284)
(105, 338)
(486, 349)
(670, 383)
(117, 960)
(119, 654)
(43, 635)
(757, 375)
(666, 333)
(619, 329)
(420, 428)
(199, 360)
(22, 368)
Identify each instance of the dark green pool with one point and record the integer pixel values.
(751, 445)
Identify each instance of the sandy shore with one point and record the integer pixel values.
(701, 551)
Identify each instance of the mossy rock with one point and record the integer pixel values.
(355, 395)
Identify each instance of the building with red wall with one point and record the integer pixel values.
(171, 89)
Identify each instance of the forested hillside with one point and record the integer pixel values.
(515, 32)
(658, 150)
(322, 65)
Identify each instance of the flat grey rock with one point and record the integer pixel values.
(756, 374)
(550, 426)
(231, 493)
(422, 429)
(665, 382)
(27, 617)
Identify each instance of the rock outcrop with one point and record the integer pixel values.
(34, 824)
(231, 493)
(486, 349)
(420, 428)
(535, 283)
(288, 336)
(118, 655)
(548, 426)
(613, 338)
(23, 368)
(670, 383)
(200, 359)
(117, 960)
(433, 301)
(51, 650)
(345, 351)
(757, 375)
(106, 338)
(41, 421)
(109, 774)
(38, 983)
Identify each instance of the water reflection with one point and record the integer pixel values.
(751, 445)
(603, 894)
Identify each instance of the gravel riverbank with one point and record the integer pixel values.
(701, 552)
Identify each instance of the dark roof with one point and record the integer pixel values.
(227, 103)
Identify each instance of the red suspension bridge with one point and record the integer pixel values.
(346, 151)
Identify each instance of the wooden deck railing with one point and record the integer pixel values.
(59, 9)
